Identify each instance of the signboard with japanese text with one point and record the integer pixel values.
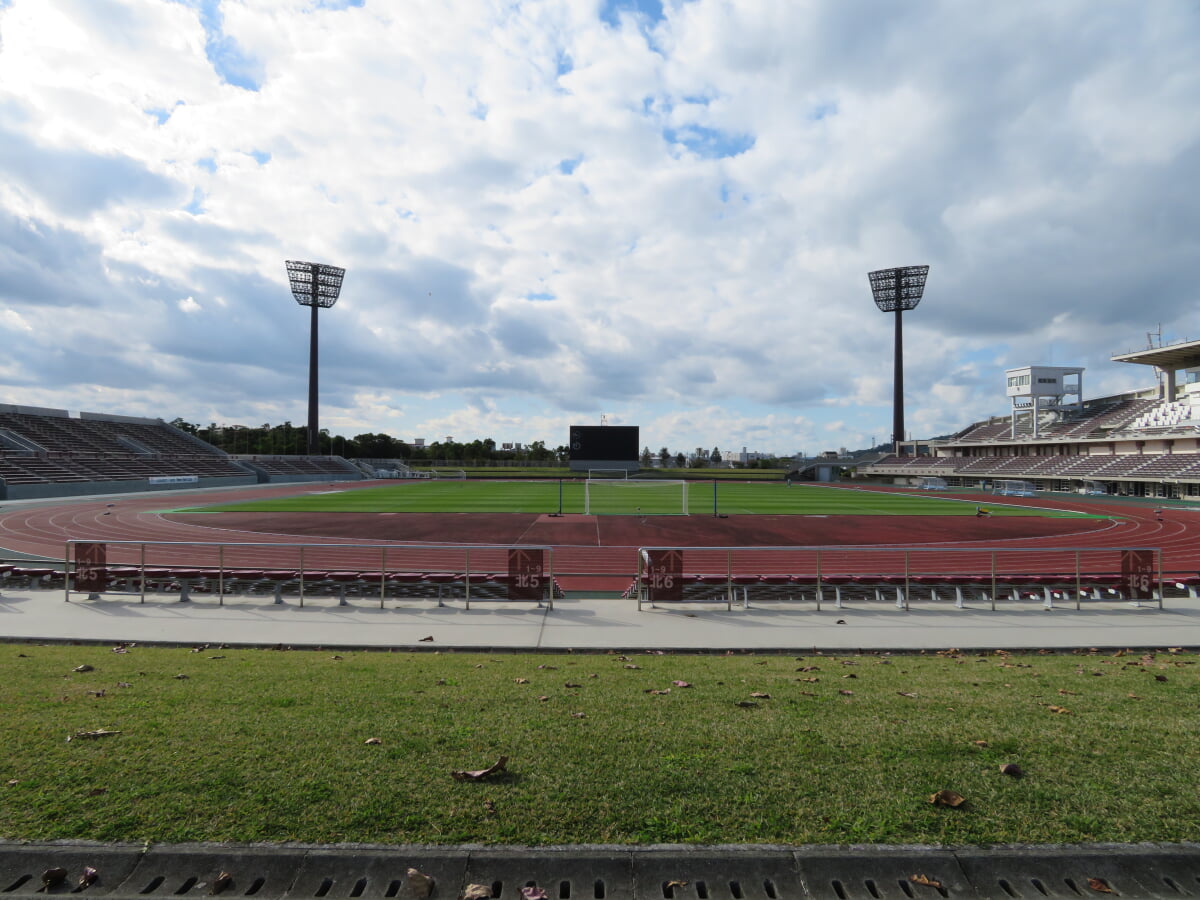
(663, 576)
(91, 573)
(526, 575)
(1137, 574)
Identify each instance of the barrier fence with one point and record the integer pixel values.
(729, 575)
(442, 572)
(657, 576)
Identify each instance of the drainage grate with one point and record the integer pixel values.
(606, 873)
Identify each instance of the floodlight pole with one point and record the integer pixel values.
(315, 285)
(313, 442)
(897, 372)
(897, 290)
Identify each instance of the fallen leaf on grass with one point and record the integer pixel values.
(84, 668)
(657, 691)
(682, 684)
(480, 774)
(54, 877)
(476, 892)
(1099, 884)
(761, 695)
(1134, 697)
(1061, 710)
(747, 704)
(124, 684)
(489, 806)
(97, 792)
(952, 799)
(181, 677)
(846, 693)
(221, 882)
(82, 735)
(99, 693)
(578, 715)
(1011, 769)
(1067, 693)
(809, 669)
(925, 880)
(12, 782)
(550, 668)
(88, 877)
(522, 681)
(851, 675)
(543, 698)
(809, 680)
(1160, 677)
(332, 657)
(372, 741)
(906, 693)
(419, 883)
(631, 666)
(572, 684)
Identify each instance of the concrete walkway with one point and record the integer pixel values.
(592, 624)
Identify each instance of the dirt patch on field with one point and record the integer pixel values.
(634, 531)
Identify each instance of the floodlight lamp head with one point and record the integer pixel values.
(315, 284)
(898, 288)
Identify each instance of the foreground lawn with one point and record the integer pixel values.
(624, 498)
(262, 745)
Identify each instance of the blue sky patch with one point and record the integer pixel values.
(709, 143)
(227, 58)
(568, 166)
(540, 295)
(195, 206)
(261, 157)
(208, 164)
(610, 10)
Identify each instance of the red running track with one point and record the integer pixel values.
(602, 545)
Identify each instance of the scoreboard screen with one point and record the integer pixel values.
(618, 443)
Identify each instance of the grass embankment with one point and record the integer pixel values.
(623, 498)
(259, 745)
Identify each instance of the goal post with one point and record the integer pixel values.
(449, 474)
(1013, 488)
(634, 497)
(932, 483)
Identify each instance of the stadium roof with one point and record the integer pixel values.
(1185, 355)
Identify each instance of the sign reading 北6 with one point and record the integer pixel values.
(1137, 574)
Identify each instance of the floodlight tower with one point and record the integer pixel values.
(897, 290)
(316, 285)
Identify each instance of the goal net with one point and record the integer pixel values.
(1013, 488)
(635, 497)
(449, 474)
(932, 483)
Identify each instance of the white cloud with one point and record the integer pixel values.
(545, 216)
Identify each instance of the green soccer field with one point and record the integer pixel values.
(620, 497)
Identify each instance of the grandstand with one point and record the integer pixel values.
(1142, 443)
(52, 453)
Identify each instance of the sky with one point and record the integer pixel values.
(580, 211)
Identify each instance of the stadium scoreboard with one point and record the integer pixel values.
(603, 444)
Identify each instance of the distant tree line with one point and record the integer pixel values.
(292, 440)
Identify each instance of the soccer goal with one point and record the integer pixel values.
(1009, 488)
(932, 483)
(449, 474)
(608, 473)
(635, 497)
